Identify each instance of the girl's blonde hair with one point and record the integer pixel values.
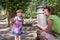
(19, 11)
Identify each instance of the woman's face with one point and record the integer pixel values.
(46, 12)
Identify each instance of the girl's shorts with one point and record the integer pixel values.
(18, 34)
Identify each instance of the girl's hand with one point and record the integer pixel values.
(13, 20)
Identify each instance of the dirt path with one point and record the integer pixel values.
(6, 35)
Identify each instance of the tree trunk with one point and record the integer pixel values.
(10, 15)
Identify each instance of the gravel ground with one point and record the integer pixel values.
(28, 35)
(6, 35)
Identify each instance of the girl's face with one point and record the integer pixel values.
(19, 14)
(46, 12)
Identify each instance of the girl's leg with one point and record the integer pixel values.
(19, 37)
(16, 38)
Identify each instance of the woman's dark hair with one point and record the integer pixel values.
(50, 9)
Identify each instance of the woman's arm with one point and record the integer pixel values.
(40, 27)
(49, 27)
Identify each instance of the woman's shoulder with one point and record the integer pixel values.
(53, 17)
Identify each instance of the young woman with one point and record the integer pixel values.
(53, 24)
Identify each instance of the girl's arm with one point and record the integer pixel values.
(24, 22)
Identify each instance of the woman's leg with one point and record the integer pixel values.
(48, 36)
(16, 38)
(19, 37)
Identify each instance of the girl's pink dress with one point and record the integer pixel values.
(17, 27)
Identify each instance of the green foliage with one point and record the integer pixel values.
(29, 6)
(13, 5)
(31, 9)
(54, 3)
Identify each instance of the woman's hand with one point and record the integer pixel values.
(40, 26)
(34, 25)
(43, 28)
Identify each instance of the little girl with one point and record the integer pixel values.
(17, 25)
